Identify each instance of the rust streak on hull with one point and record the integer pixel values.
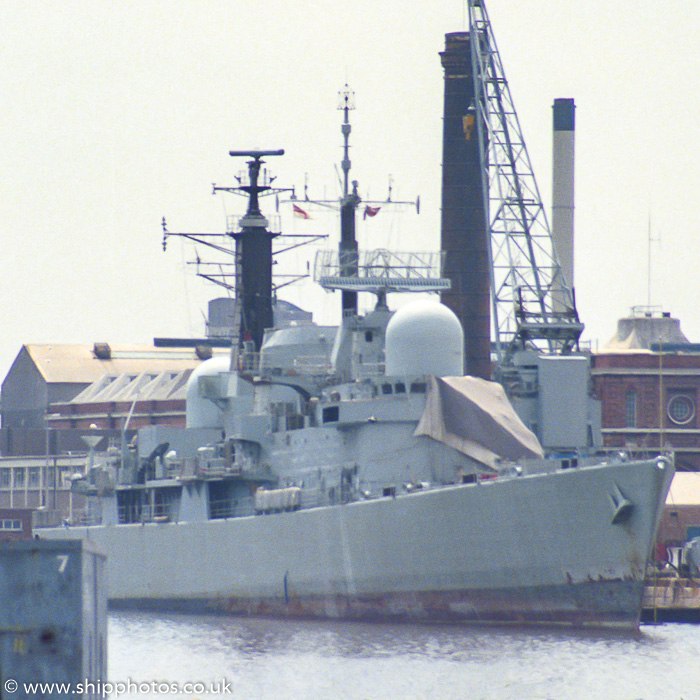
(613, 604)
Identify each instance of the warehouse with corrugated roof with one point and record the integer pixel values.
(54, 390)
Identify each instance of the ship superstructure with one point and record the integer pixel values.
(355, 472)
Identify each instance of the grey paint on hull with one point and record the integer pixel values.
(537, 548)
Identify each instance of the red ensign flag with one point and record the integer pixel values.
(298, 211)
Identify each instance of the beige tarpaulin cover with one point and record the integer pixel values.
(474, 416)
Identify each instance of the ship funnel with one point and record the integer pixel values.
(464, 239)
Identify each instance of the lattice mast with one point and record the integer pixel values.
(252, 259)
(350, 266)
(532, 305)
(348, 206)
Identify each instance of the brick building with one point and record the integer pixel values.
(648, 380)
(54, 395)
(44, 376)
(15, 524)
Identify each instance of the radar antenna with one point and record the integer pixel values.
(348, 272)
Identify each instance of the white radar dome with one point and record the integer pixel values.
(424, 337)
(207, 382)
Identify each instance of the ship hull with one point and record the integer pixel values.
(609, 604)
(529, 549)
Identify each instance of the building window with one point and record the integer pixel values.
(64, 479)
(630, 409)
(19, 477)
(681, 409)
(33, 477)
(11, 524)
(5, 477)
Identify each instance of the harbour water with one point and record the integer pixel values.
(186, 657)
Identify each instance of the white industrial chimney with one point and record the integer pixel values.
(563, 187)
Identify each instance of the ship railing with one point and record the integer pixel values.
(244, 507)
(317, 498)
(313, 498)
(174, 468)
(222, 508)
(215, 466)
(233, 221)
(86, 516)
(308, 498)
(575, 458)
(634, 452)
(381, 269)
(253, 363)
(123, 513)
(626, 453)
(206, 466)
(367, 370)
(249, 362)
(314, 365)
(189, 467)
(143, 513)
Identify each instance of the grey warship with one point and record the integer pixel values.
(356, 473)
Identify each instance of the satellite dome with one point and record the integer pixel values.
(206, 381)
(424, 337)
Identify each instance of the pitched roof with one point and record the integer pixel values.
(146, 386)
(79, 364)
(641, 331)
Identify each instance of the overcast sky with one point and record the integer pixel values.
(118, 113)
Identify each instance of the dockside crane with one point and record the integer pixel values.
(533, 306)
(535, 324)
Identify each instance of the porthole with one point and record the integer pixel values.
(680, 409)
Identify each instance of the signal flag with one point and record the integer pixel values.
(300, 213)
